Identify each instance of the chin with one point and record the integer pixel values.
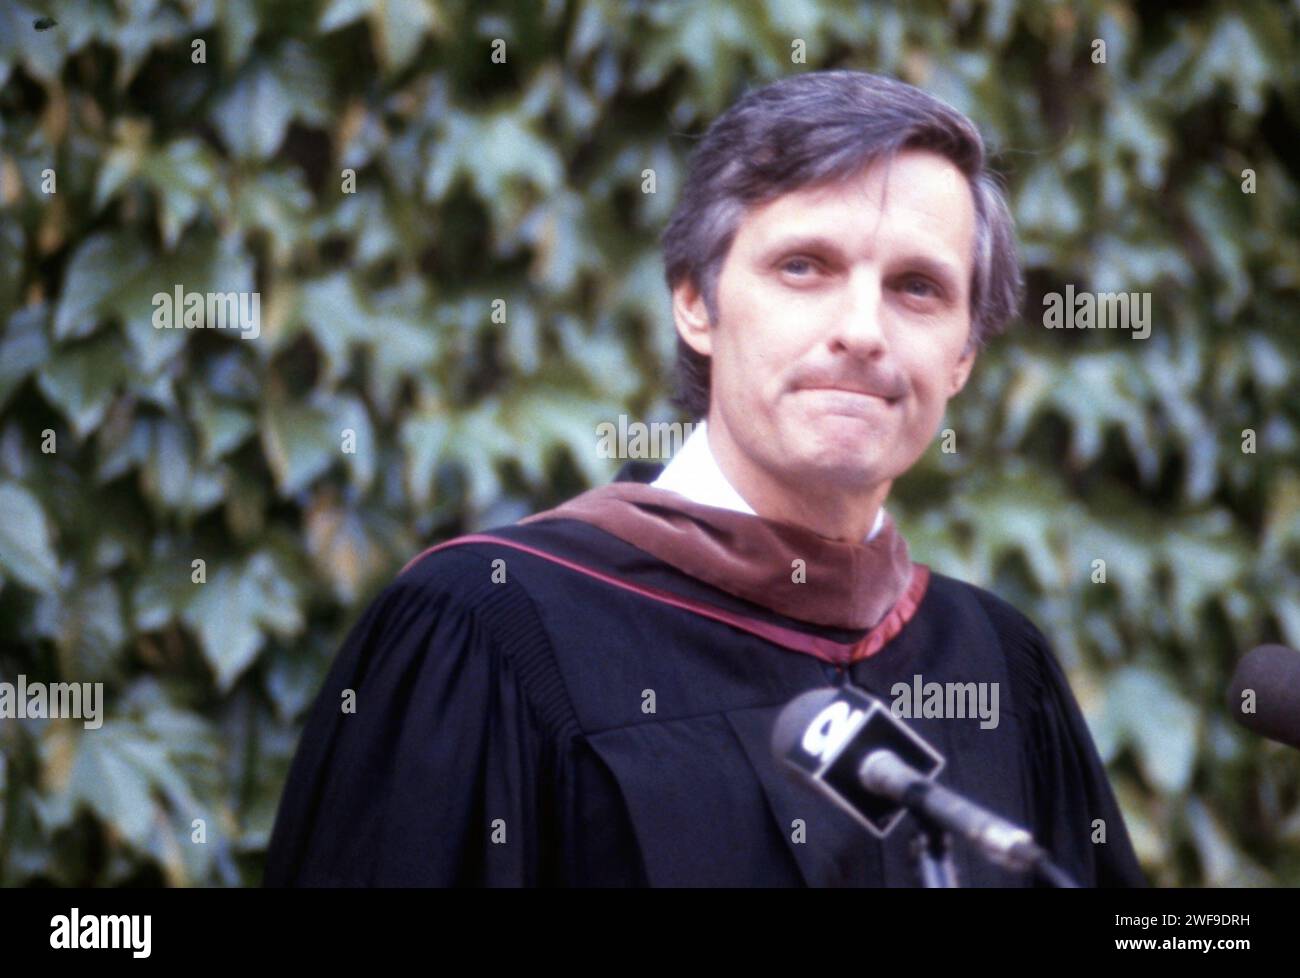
(839, 469)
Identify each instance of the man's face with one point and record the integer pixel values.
(842, 320)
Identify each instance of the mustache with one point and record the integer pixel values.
(880, 385)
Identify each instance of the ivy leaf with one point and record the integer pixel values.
(501, 156)
(560, 242)
(255, 114)
(88, 629)
(121, 161)
(340, 545)
(256, 111)
(82, 381)
(239, 28)
(111, 777)
(277, 202)
(1286, 607)
(222, 614)
(146, 29)
(122, 444)
(1205, 562)
(332, 310)
(199, 265)
(222, 428)
(1218, 856)
(184, 175)
(23, 348)
(410, 346)
(423, 437)
(1022, 512)
(1044, 205)
(230, 611)
(26, 552)
(301, 441)
(1152, 715)
(477, 442)
(546, 417)
(340, 13)
(96, 273)
(171, 476)
(293, 680)
(162, 592)
(398, 28)
(1128, 545)
(1096, 392)
(356, 437)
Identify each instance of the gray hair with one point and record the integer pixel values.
(818, 128)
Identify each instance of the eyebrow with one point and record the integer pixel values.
(944, 272)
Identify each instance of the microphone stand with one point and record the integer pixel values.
(883, 772)
(932, 850)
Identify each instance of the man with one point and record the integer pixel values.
(587, 697)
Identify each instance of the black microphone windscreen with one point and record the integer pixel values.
(1265, 693)
(823, 737)
(795, 718)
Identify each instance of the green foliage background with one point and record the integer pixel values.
(522, 181)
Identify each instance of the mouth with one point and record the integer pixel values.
(851, 403)
(853, 392)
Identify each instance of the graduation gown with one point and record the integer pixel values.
(551, 703)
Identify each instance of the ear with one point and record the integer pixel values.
(961, 371)
(692, 318)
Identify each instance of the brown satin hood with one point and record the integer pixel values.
(847, 585)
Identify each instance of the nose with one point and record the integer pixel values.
(859, 329)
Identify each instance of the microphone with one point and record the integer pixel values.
(852, 749)
(1264, 694)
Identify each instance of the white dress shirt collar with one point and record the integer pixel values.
(693, 472)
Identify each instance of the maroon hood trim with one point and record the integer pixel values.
(837, 653)
(844, 585)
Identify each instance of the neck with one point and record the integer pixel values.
(831, 512)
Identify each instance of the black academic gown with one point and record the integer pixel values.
(502, 735)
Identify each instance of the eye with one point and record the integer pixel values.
(921, 287)
(799, 266)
